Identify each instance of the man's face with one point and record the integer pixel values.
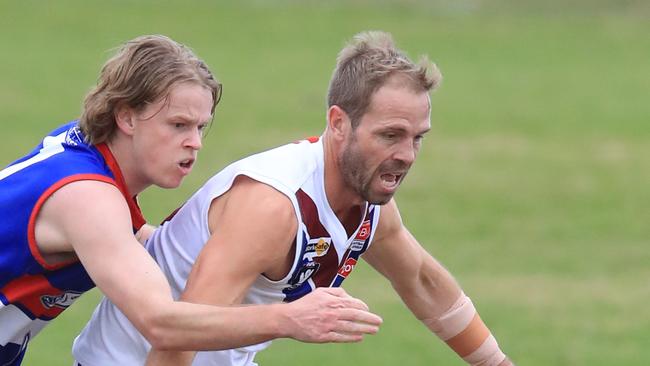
(168, 135)
(380, 151)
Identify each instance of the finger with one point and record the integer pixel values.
(359, 316)
(336, 337)
(352, 303)
(355, 328)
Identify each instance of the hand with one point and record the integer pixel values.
(144, 233)
(329, 315)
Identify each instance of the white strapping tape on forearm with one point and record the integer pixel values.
(488, 354)
(454, 320)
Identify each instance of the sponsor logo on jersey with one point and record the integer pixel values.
(318, 247)
(60, 301)
(364, 231)
(356, 245)
(347, 267)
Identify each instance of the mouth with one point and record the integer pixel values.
(390, 181)
(186, 165)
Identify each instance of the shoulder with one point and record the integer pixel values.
(285, 166)
(255, 202)
(75, 211)
(250, 189)
(81, 194)
(267, 200)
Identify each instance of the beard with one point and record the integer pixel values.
(358, 175)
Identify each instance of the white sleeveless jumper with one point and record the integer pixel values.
(324, 254)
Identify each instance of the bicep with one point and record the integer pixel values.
(419, 279)
(102, 238)
(394, 252)
(252, 229)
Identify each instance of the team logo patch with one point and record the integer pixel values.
(347, 267)
(306, 271)
(74, 136)
(60, 301)
(318, 247)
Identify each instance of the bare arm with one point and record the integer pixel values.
(124, 271)
(424, 285)
(234, 256)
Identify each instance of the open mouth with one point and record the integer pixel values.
(186, 164)
(391, 180)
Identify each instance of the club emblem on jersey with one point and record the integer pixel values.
(61, 301)
(347, 267)
(307, 269)
(74, 136)
(318, 247)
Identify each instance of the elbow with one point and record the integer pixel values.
(155, 328)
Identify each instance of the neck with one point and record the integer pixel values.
(122, 149)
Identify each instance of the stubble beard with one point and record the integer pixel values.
(357, 175)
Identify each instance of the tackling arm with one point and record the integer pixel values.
(124, 271)
(430, 291)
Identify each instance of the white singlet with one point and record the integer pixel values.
(324, 254)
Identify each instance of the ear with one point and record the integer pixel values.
(124, 118)
(338, 122)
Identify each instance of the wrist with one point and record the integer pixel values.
(279, 321)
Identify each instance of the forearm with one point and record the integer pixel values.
(463, 330)
(159, 356)
(186, 326)
(439, 302)
(325, 315)
(430, 291)
(460, 327)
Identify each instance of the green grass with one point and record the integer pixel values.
(531, 188)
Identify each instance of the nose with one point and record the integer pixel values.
(406, 153)
(195, 140)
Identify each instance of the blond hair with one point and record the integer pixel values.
(141, 72)
(366, 63)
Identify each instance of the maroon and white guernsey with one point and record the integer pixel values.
(324, 253)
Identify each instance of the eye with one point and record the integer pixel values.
(179, 124)
(202, 128)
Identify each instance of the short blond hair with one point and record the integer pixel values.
(142, 71)
(366, 63)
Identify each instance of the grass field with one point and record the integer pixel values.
(532, 187)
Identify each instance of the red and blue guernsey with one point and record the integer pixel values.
(32, 291)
